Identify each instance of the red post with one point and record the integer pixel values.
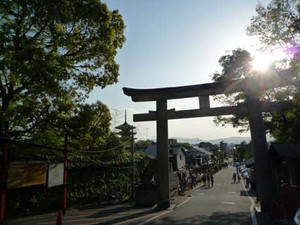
(65, 173)
(58, 219)
(4, 174)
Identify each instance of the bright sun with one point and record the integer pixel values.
(262, 62)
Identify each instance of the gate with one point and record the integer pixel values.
(253, 107)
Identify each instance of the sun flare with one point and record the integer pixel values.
(262, 62)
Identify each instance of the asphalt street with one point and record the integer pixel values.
(225, 203)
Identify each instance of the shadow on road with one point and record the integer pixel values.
(121, 217)
(250, 193)
(217, 218)
(204, 187)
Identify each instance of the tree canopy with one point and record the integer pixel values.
(277, 27)
(52, 54)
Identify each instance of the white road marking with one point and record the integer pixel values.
(155, 217)
(231, 192)
(185, 201)
(228, 203)
(166, 212)
(253, 217)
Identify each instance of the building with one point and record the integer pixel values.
(198, 158)
(177, 156)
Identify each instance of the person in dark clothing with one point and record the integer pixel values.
(212, 180)
(247, 182)
(234, 177)
(204, 179)
(208, 180)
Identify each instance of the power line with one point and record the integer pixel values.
(99, 151)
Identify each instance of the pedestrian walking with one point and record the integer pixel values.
(234, 177)
(239, 178)
(204, 179)
(189, 183)
(212, 180)
(208, 180)
(247, 182)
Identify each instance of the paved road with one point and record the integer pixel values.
(225, 203)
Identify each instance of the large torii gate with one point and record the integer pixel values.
(253, 108)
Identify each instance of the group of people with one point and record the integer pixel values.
(189, 179)
(208, 180)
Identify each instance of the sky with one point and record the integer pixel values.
(175, 43)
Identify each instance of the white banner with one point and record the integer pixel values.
(55, 175)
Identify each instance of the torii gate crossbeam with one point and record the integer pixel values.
(253, 108)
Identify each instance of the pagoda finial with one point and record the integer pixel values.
(125, 116)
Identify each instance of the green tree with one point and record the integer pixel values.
(235, 66)
(89, 127)
(240, 151)
(52, 54)
(277, 27)
(143, 143)
(185, 145)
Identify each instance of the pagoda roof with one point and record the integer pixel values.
(125, 126)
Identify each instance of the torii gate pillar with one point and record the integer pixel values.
(162, 154)
(261, 154)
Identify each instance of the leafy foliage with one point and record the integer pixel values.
(143, 143)
(277, 27)
(89, 126)
(242, 151)
(52, 54)
(235, 66)
(184, 145)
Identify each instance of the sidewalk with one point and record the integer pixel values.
(126, 213)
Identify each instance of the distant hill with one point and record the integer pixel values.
(192, 141)
(233, 140)
(230, 140)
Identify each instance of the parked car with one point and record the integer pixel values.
(243, 170)
(240, 168)
(245, 173)
(236, 164)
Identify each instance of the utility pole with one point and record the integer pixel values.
(128, 131)
(132, 162)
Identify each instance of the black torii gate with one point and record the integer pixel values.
(253, 107)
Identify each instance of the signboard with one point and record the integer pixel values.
(23, 174)
(55, 174)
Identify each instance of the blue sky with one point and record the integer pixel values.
(175, 43)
